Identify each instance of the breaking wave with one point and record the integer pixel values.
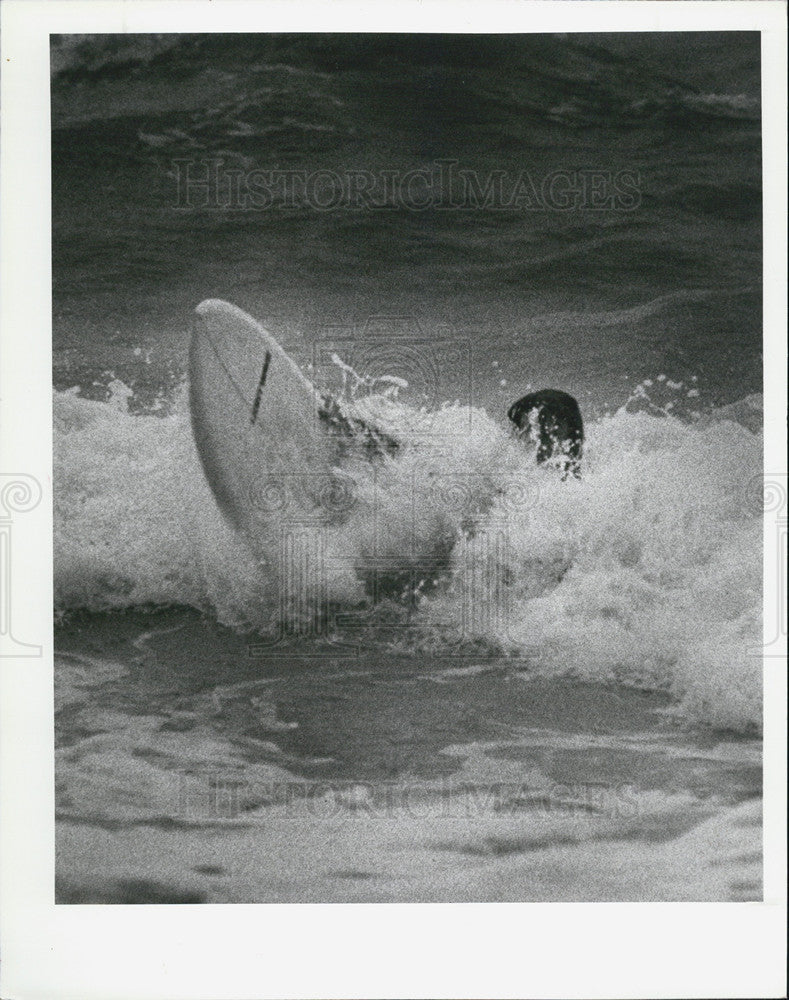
(647, 572)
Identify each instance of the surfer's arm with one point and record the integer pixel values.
(375, 441)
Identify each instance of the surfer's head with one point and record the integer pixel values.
(552, 420)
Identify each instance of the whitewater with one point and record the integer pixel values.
(645, 574)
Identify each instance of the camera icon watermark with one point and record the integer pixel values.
(769, 493)
(301, 498)
(302, 508)
(19, 493)
(398, 357)
(422, 535)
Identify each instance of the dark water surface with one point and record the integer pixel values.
(617, 697)
(665, 277)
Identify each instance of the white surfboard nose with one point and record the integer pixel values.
(209, 305)
(254, 418)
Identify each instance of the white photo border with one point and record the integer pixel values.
(351, 951)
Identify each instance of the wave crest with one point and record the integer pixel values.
(646, 572)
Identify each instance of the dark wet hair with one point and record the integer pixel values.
(560, 428)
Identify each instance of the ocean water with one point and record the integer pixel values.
(472, 681)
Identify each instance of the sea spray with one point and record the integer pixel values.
(647, 572)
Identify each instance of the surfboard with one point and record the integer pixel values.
(255, 420)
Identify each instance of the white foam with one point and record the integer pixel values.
(646, 572)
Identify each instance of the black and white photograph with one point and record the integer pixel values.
(408, 467)
(410, 509)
